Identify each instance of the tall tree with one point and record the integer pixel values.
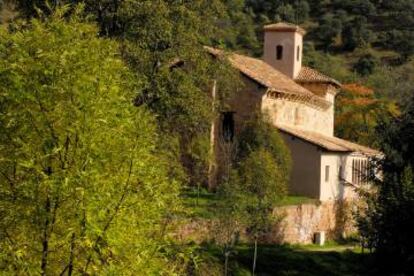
(162, 41)
(263, 172)
(83, 187)
(386, 221)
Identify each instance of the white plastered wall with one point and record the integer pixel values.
(340, 175)
(290, 64)
(305, 175)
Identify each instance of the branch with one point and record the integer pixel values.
(111, 218)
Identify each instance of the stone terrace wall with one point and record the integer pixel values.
(299, 224)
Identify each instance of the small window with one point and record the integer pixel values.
(228, 126)
(326, 173)
(298, 53)
(279, 52)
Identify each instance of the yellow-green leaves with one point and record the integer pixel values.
(82, 183)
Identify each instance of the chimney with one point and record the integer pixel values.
(283, 45)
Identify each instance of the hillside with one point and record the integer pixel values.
(361, 37)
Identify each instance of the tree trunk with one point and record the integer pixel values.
(226, 261)
(45, 241)
(72, 248)
(254, 256)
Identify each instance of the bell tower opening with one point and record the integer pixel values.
(279, 52)
(283, 48)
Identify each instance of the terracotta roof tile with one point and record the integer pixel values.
(265, 74)
(309, 75)
(329, 143)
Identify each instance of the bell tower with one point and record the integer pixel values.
(283, 47)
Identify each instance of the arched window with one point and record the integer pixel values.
(279, 52)
(298, 53)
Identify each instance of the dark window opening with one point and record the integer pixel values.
(326, 173)
(279, 52)
(298, 53)
(228, 126)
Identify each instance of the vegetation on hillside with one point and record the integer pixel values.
(105, 118)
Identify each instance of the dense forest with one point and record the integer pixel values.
(91, 99)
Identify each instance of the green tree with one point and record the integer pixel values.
(237, 29)
(262, 184)
(329, 28)
(159, 32)
(386, 221)
(365, 65)
(162, 41)
(356, 34)
(259, 133)
(83, 187)
(302, 11)
(263, 169)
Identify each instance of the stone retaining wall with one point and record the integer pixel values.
(299, 224)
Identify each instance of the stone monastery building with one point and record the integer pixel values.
(300, 102)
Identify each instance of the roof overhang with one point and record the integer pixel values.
(329, 143)
(284, 27)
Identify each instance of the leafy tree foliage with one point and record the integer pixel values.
(158, 33)
(328, 64)
(358, 113)
(263, 172)
(330, 27)
(162, 41)
(386, 223)
(80, 191)
(237, 29)
(365, 65)
(260, 134)
(258, 171)
(356, 34)
(262, 184)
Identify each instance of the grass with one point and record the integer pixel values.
(296, 200)
(204, 204)
(333, 259)
(200, 203)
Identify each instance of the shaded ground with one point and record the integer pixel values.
(300, 260)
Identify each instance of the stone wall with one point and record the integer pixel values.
(299, 223)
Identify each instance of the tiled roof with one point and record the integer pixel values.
(265, 74)
(309, 75)
(329, 143)
(282, 26)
